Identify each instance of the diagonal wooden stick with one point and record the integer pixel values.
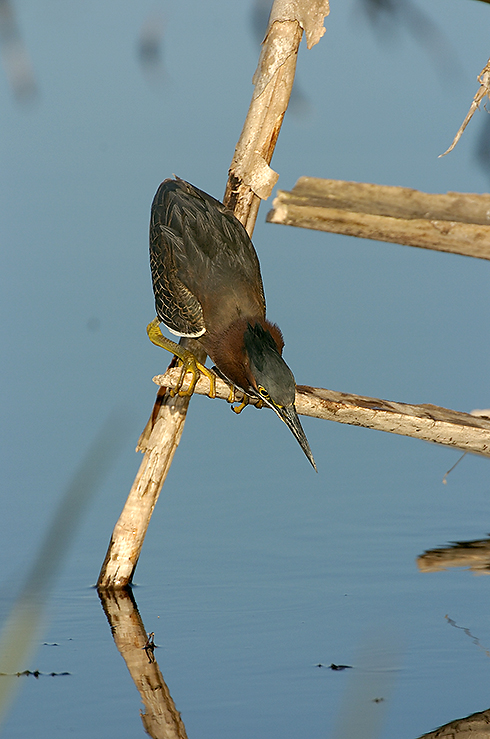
(251, 179)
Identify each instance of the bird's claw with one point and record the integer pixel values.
(232, 399)
(187, 359)
(190, 364)
(244, 402)
(239, 408)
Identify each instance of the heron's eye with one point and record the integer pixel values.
(263, 393)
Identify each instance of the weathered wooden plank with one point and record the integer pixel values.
(453, 222)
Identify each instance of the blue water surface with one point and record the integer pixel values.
(256, 574)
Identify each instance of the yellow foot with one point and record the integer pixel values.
(239, 408)
(195, 368)
(232, 399)
(246, 400)
(189, 362)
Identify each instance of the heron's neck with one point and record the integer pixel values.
(228, 350)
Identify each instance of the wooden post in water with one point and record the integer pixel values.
(250, 180)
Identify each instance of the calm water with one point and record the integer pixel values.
(248, 591)
(255, 570)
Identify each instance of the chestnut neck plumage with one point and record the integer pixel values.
(227, 350)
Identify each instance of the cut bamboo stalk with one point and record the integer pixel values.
(453, 222)
(470, 433)
(250, 180)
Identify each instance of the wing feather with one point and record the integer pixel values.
(204, 266)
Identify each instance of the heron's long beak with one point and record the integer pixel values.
(289, 415)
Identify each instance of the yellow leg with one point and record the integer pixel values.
(189, 362)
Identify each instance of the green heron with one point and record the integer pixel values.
(208, 286)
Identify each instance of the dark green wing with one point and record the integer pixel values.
(175, 304)
(202, 260)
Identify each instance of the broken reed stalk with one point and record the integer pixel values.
(250, 177)
(251, 180)
(482, 92)
(159, 442)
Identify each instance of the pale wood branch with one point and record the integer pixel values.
(250, 177)
(250, 180)
(452, 222)
(159, 442)
(470, 433)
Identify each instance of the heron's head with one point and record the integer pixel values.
(272, 381)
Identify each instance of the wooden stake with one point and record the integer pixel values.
(251, 179)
